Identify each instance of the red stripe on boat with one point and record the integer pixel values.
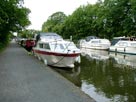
(57, 54)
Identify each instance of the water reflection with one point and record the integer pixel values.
(71, 74)
(105, 77)
(109, 81)
(124, 59)
(95, 54)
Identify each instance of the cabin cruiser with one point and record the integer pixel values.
(93, 42)
(125, 45)
(55, 51)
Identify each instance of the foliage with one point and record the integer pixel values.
(105, 19)
(29, 33)
(13, 18)
(119, 17)
(54, 23)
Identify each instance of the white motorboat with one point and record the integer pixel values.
(93, 42)
(123, 45)
(56, 52)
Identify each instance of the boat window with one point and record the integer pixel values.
(122, 44)
(114, 41)
(82, 41)
(133, 44)
(46, 46)
(57, 46)
(95, 41)
(61, 46)
(40, 45)
(91, 37)
(70, 45)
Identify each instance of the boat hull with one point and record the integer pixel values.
(125, 50)
(57, 59)
(96, 47)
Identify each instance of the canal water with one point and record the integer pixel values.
(104, 76)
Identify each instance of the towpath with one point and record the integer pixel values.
(25, 79)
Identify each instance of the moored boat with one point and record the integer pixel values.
(123, 45)
(56, 52)
(93, 42)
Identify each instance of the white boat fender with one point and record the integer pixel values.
(39, 57)
(45, 62)
(78, 59)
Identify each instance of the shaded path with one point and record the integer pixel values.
(25, 79)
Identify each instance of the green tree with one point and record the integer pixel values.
(54, 22)
(120, 19)
(29, 33)
(13, 18)
(104, 19)
(84, 21)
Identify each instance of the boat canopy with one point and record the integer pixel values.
(48, 35)
(90, 37)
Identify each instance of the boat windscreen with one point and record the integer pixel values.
(91, 37)
(51, 37)
(57, 47)
(114, 41)
(133, 44)
(70, 45)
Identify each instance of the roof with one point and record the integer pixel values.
(48, 35)
(91, 37)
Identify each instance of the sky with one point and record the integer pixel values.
(42, 9)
